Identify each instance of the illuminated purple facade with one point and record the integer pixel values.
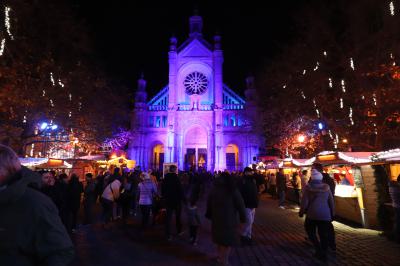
(196, 120)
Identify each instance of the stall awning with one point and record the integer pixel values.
(331, 157)
(390, 155)
(44, 163)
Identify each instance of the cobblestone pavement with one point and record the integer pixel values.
(278, 234)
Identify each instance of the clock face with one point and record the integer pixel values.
(195, 83)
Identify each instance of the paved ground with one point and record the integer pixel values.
(279, 240)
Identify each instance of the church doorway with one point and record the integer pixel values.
(232, 157)
(158, 157)
(195, 149)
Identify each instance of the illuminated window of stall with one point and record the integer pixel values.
(394, 171)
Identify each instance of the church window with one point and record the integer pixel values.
(164, 121)
(233, 121)
(195, 83)
(226, 121)
(240, 120)
(158, 121)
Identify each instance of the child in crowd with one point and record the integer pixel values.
(193, 220)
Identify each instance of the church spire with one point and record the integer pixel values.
(196, 25)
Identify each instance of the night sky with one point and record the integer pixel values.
(132, 37)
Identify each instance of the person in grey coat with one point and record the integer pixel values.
(319, 207)
(223, 206)
(31, 232)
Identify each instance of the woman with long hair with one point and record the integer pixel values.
(223, 205)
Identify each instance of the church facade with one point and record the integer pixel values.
(195, 121)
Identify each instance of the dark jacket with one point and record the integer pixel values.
(223, 207)
(172, 190)
(329, 181)
(280, 182)
(31, 232)
(75, 190)
(248, 189)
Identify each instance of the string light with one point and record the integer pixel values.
(304, 72)
(362, 97)
(330, 134)
(341, 103)
(284, 86)
(80, 106)
(317, 111)
(60, 83)
(343, 86)
(392, 57)
(2, 46)
(374, 99)
(24, 121)
(43, 93)
(351, 116)
(52, 79)
(70, 97)
(7, 21)
(303, 95)
(51, 103)
(330, 83)
(325, 54)
(69, 114)
(351, 63)
(316, 66)
(391, 7)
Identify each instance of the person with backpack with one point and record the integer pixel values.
(108, 198)
(248, 190)
(319, 207)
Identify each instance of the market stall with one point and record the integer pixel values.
(355, 197)
(115, 161)
(291, 166)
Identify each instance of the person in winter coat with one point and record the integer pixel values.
(318, 205)
(75, 190)
(31, 232)
(281, 187)
(223, 206)
(89, 199)
(248, 190)
(296, 182)
(48, 186)
(147, 190)
(332, 185)
(172, 192)
(109, 196)
(394, 191)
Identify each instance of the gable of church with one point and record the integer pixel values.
(195, 48)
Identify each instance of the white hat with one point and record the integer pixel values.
(316, 175)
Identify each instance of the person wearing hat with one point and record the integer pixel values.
(147, 189)
(318, 206)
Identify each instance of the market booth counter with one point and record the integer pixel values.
(291, 166)
(387, 169)
(355, 196)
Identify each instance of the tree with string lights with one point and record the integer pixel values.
(48, 74)
(342, 72)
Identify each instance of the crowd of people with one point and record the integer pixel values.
(42, 209)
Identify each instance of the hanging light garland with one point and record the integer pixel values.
(343, 86)
(341, 103)
(351, 63)
(52, 79)
(7, 21)
(391, 8)
(2, 46)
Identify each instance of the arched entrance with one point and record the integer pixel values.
(195, 148)
(157, 157)
(232, 157)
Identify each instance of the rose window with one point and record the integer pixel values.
(195, 83)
